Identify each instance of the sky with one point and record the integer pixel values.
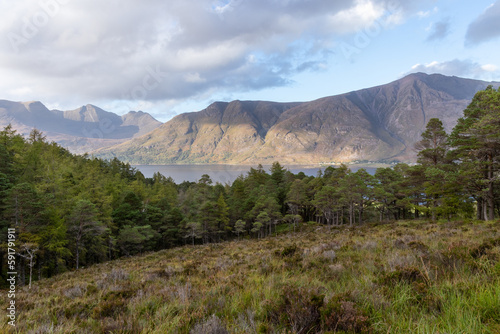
(176, 56)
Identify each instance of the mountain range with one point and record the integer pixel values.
(379, 124)
(81, 130)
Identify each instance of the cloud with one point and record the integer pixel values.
(485, 27)
(363, 14)
(155, 50)
(439, 30)
(424, 14)
(460, 68)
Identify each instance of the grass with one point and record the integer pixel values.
(406, 277)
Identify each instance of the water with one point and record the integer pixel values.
(222, 173)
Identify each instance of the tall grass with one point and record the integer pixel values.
(410, 277)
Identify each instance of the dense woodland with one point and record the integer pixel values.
(71, 211)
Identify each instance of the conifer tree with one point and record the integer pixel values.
(433, 156)
(476, 146)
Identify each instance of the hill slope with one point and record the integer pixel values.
(81, 130)
(388, 278)
(375, 124)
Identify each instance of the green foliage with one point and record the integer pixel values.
(433, 148)
(476, 146)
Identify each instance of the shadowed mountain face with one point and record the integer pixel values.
(81, 130)
(375, 124)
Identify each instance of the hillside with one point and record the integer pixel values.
(387, 278)
(375, 124)
(81, 130)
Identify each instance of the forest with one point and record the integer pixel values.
(71, 211)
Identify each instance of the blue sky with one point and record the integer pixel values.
(170, 57)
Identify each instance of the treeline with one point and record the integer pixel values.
(71, 211)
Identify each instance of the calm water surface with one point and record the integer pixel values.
(222, 173)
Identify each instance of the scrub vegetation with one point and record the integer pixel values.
(399, 277)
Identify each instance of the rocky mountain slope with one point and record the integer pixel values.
(375, 124)
(81, 130)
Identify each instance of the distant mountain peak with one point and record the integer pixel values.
(374, 124)
(80, 130)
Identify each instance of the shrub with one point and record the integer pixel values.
(113, 303)
(297, 309)
(483, 248)
(405, 274)
(342, 314)
(287, 251)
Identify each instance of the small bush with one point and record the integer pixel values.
(406, 274)
(91, 289)
(483, 248)
(452, 259)
(114, 303)
(287, 251)
(342, 314)
(78, 310)
(420, 286)
(298, 309)
(419, 246)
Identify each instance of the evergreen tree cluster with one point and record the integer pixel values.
(71, 211)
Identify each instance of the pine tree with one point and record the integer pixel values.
(433, 156)
(82, 223)
(476, 146)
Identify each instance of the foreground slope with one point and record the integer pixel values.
(385, 278)
(375, 124)
(81, 130)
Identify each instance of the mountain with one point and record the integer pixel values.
(375, 124)
(81, 130)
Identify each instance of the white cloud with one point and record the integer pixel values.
(105, 50)
(362, 15)
(490, 68)
(457, 67)
(425, 14)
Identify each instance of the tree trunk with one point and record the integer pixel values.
(31, 270)
(351, 213)
(434, 205)
(479, 209)
(22, 266)
(77, 254)
(360, 219)
(491, 195)
(40, 268)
